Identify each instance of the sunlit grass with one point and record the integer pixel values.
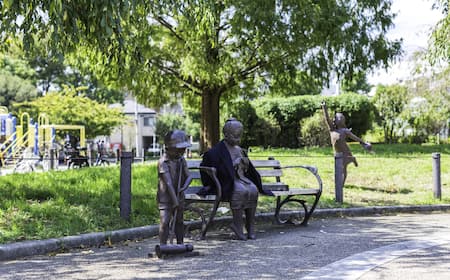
(55, 204)
(392, 175)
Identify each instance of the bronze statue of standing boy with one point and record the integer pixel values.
(174, 179)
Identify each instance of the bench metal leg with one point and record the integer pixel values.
(211, 218)
(205, 222)
(197, 210)
(311, 210)
(291, 198)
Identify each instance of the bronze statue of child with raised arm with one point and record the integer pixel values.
(174, 178)
(339, 134)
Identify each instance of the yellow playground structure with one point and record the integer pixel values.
(26, 136)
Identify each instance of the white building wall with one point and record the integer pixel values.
(125, 135)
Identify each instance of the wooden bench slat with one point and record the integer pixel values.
(275, 186)
(192, 189)
(265, 163)
(297, 191)
(270, 172)
(195, 174)
(193, 163)
(193, 196)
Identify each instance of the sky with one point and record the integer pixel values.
(413, 23)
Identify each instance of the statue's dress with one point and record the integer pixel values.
(245, 192)
(338, 139)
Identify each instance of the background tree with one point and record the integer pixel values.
(390, 102)
(293, 84)
(357, 83)
(15, 89)
(51, 71)
(213, 50)
(168, 122)
(439, 47)
(69, 107)
(428, 110)
(16, 81)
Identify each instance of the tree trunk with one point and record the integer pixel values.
(210, 132)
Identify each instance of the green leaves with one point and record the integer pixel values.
(161, 49)
(288, 112)
(71, 107)
(439, 49)
(390, 102)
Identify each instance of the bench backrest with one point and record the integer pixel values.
(193, 166)
(265, 168)
(268, 168)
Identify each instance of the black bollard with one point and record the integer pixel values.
(339, 177)
(125, 185)
(52, 159)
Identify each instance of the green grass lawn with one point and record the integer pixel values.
(61, 203)
(392, 175)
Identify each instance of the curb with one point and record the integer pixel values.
(18, 250)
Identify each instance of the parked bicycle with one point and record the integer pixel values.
(101, 161)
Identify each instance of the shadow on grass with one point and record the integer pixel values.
(391, 190)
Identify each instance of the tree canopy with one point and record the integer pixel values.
(390, 102)
(69, 107)
(16, 81)
(439, 41)
(209, 50)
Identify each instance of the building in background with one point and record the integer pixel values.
(138, 132)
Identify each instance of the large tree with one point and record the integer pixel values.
(72, 108)
(358, 84)
(51, 70)
(390, 102)
(209, 49)
(17, 80)
(439, 47)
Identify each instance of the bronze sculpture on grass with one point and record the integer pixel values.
(339, 134)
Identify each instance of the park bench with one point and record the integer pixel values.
(271, 173)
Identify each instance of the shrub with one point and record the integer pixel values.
(314, 131)
(288, 112)
(257, 131)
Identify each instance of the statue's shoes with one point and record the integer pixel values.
(239, 234)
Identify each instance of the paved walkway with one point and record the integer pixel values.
(404, 246)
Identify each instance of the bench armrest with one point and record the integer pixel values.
(312, 169)
(211, 172)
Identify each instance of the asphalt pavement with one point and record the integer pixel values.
(409, 243)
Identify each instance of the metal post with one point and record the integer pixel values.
(89, 154)
(339, 177)
(436, 175)
(125, 184)
(52, 159)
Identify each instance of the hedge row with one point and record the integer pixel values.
(276, 122)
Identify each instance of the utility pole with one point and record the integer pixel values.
(136, 120)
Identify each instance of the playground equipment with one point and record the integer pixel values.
(18, 139)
